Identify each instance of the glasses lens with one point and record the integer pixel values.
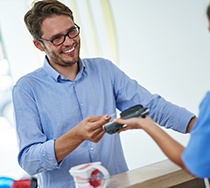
(74, 32)
(58, 40)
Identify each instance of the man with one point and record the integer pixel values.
(60, 108)
(195, 158)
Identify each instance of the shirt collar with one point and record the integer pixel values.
(56, 75)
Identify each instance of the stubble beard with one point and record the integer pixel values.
(57, 59)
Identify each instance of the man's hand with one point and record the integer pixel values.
(91, 128)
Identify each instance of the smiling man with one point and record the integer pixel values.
(62, 49)
(60, 108)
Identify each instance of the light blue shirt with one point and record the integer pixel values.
(196, 156)
(47, 105)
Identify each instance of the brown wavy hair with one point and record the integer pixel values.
(40, 11)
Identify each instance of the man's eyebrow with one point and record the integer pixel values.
(60, 34)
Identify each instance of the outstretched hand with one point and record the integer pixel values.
(91, 128)
(134, 123)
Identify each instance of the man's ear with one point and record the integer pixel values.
(38, 44)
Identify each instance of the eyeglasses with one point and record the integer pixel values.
(60, 39)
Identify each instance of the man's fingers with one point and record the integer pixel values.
(97, 118)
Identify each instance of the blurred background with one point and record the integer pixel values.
(163, 44)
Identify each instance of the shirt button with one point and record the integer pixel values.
(91, 148)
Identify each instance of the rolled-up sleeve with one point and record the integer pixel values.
(36, 150)
(129, 93)
(40, 158)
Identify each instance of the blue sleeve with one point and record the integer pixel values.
(41, 156)
(196, 156)
(129, 92)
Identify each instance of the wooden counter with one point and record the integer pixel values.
(157, 175)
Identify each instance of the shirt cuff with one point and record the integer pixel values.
(47, 156)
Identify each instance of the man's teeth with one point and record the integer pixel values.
(70, 50)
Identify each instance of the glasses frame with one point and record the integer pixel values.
(64, 36)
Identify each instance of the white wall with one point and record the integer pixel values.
(164, 44)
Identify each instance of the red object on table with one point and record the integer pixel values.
(25, 183)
